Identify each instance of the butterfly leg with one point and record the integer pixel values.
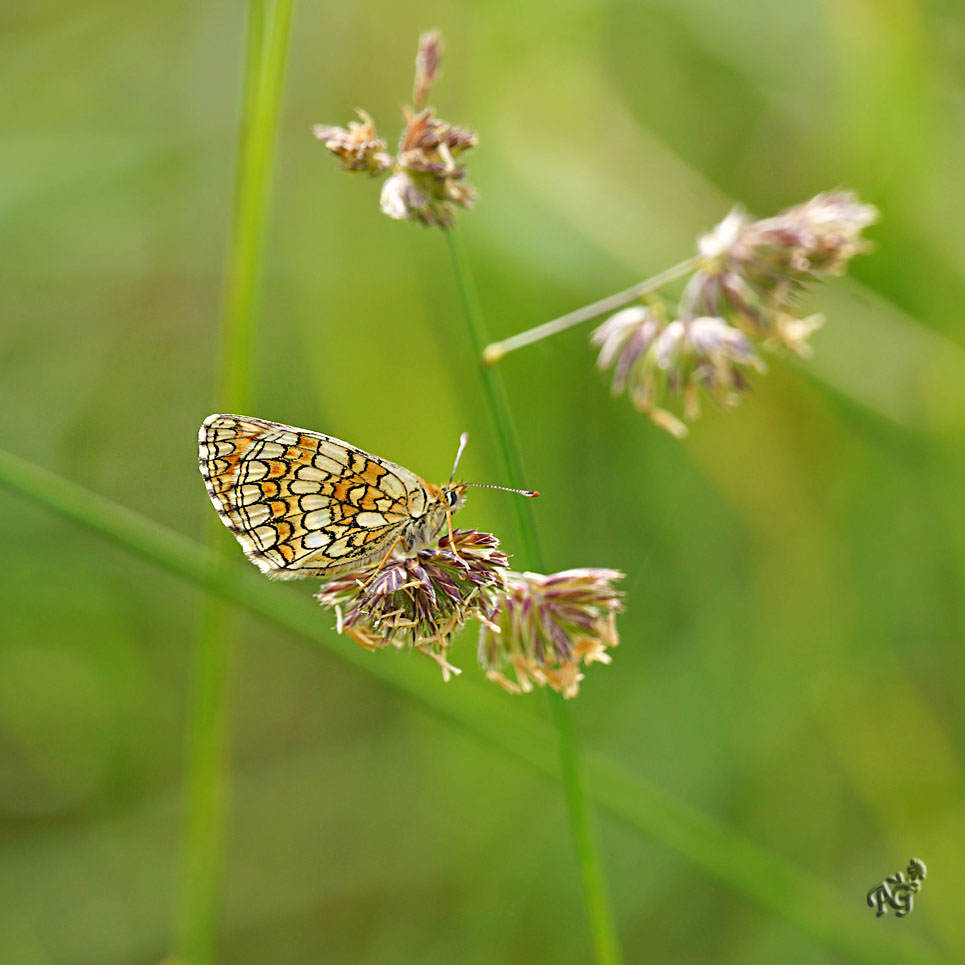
(452, 538)
(385, 559)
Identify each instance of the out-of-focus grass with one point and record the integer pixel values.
(794, 612)
(198, 896)
(716, 850)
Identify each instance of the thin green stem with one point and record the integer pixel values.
(265, 60)
(498, 403)
(494, 351)
(206, 785)
(714, 849)
(606, 942)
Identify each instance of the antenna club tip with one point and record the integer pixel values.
(533, 493)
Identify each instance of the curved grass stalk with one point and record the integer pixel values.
(606, 942)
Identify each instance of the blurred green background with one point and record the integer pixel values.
(791, 659)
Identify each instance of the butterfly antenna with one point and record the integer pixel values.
(506, 489)
(463, 439)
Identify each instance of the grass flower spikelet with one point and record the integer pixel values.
(420, 601)
(427, 179)
(547, 627)
(744, 290)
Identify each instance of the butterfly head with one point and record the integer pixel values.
(443, 502)
(454, 495)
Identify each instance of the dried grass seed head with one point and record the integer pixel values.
(427, 60)
(548, 627)
(427, 183)
(358, 147)
(753, 271)
(421, 600)
(652, 359)
(744, 289)
(705, 353)
(428, 162)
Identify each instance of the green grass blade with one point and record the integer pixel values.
(599, 911)
(206, 780)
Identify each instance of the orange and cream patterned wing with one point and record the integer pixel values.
(301, 503)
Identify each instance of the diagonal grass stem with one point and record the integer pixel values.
(494, 351)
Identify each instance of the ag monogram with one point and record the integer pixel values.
(897, 892)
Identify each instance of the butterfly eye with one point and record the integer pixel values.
(451, 497)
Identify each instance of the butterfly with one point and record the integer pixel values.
(301, 503)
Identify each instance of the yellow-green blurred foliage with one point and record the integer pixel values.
(791, 658)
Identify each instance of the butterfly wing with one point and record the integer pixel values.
(301, 503)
